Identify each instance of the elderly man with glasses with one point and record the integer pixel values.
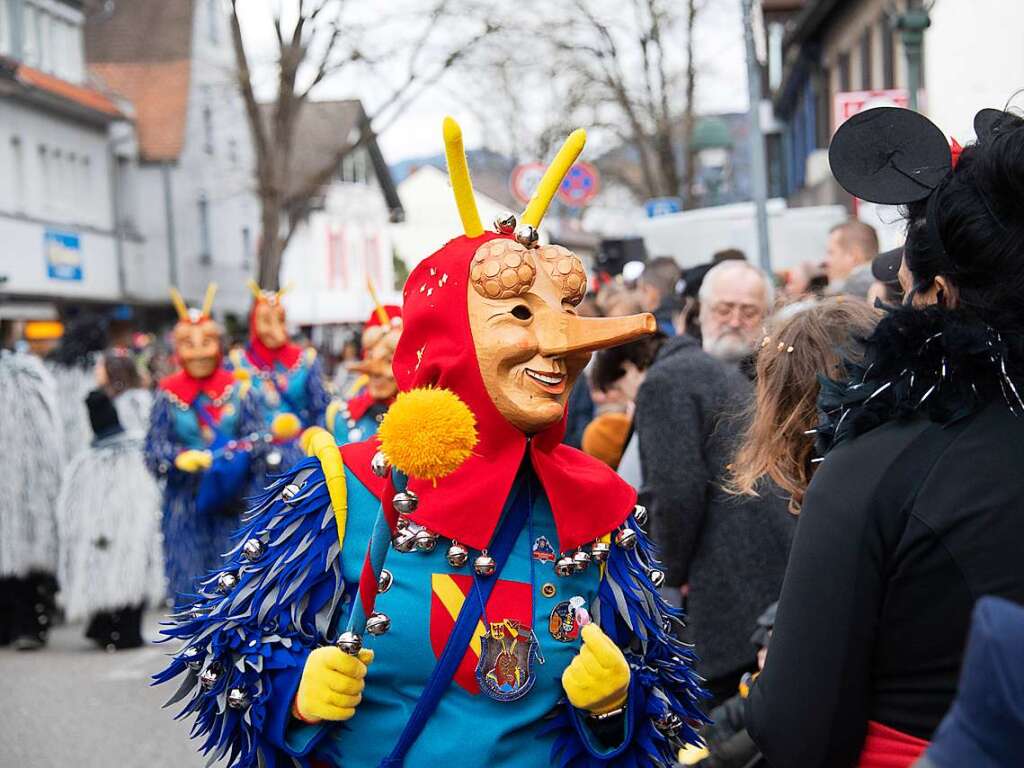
(726, 554)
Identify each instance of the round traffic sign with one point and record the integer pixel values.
(524, 180)
(580, 185)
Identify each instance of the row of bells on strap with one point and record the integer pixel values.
(238, 698)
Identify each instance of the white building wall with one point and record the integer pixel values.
(216, 165)
(973, 59)
(57, 179)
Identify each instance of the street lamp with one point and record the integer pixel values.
(911, 24)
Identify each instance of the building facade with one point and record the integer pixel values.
(192, 191)
(64, 148)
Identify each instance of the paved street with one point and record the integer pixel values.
(73, 705)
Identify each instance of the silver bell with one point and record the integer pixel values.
(657, 577)
(350, 643)
(425, 540)
(565, 566)
(640, 514)
(669, 724)
(274, 459)
(404, 540)
(377, 623)
(505, 223)
(226, 582)
(238, 698)
(457, 555)
(581, 560)
(379, 464)
(626, 538)
(484, 565)
(599, 550)
(253, 550)
(384, 581)
(405, 502)
(209, 676)
(527, 236)
(193, 657)
(290, 491)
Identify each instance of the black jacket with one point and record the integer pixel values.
(914, 514)
(730, 550)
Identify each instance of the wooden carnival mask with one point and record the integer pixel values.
(196, 337)
(268, 318)
(521, 297)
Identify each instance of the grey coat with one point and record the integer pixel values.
(731, 550)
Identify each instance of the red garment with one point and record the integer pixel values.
(186, 388)
(587, 498)
(393, 311)
(263, 357)
(885, 747)
(361, 403)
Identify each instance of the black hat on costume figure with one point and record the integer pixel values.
(885, 267)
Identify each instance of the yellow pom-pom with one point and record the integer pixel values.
(427, 433)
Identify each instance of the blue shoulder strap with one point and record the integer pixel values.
(501, 547)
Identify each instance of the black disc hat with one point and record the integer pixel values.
(889, 155)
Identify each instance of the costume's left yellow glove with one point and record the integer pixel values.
(285, 426)
(597, 680)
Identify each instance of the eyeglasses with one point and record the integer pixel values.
(749, 313)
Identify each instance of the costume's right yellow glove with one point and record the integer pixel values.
(332, 685)
(193, 460)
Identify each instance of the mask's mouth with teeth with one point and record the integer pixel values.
(551, 382)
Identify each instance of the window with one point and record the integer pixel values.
(888, 54)
(18, 173)
(6, 38)
(866, 63)
(246, 249)
(843, 71)
(208, 129)
(213, 22)
(45, 179)
(45, 41)
(30, 45)
(205, 255)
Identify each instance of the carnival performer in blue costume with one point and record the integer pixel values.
(205, 442)
(358, 418)
(410, 592)
(286, 379)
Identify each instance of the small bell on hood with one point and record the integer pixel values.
(457, 555)
(484, 564)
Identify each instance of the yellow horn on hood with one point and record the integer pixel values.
(458, 174)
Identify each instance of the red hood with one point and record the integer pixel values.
(187, 388)
(263, 357)
(436, 349)
(361, 403)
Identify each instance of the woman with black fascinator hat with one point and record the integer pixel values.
(915, 510)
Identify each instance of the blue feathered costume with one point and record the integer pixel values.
(560, 529)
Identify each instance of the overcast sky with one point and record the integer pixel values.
(417, 131)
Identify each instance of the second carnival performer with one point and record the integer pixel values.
(205, 438)
(285, 378)
(358, 417)
(507, 599)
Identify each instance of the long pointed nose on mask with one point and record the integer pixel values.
(371, 367)
(563, 334)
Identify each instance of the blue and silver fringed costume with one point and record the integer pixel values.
(194, 543)
(287, 588)
(298, 390)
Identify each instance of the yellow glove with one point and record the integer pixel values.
(597, 680)
(285, 426)
(332, 685)
(193, 461)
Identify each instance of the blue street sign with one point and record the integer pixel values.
(63, 254)
(662, 206)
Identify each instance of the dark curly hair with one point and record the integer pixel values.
(977, 233)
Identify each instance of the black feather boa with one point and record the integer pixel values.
(934, 362)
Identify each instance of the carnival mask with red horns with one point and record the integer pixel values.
(196, 337)
(491, 316)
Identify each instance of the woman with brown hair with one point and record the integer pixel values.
(779, 444)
